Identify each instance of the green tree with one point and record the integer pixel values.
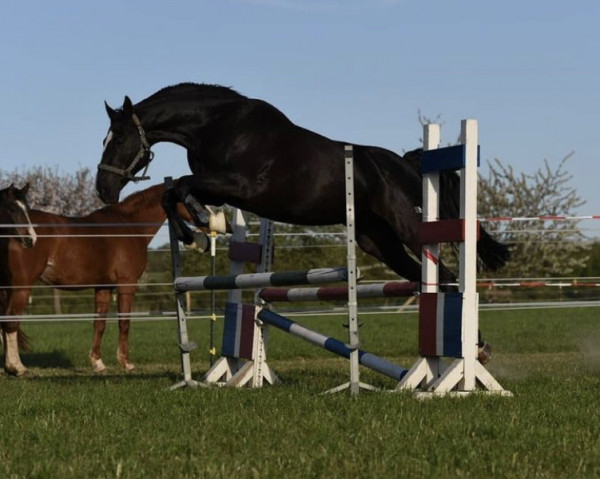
(539, 247)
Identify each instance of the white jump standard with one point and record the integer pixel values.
(449, 322)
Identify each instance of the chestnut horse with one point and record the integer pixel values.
(105, 250)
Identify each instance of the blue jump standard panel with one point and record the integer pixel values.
(445, 159)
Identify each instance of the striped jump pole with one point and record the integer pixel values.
(261, 280)
(335, 346)
(329, 293)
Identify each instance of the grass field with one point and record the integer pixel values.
(63, 421)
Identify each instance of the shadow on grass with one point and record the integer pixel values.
(79, 376)
(48, 360)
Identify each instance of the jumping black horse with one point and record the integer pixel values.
(245, 152)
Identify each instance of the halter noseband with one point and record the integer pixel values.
(144, 150)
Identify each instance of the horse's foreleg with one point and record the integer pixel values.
(181, 229)
(10, 332)
(125, 305)
(102, 303)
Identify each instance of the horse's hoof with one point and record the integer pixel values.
(98, 365)
(16, 371)
(201, 242)
(484, 353)
(128, 367)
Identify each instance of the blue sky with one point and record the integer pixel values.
(355, 70)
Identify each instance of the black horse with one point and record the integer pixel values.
(247, 153)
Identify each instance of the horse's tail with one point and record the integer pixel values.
(492, 253)
(23, 340)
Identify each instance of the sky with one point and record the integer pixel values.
(353, 70)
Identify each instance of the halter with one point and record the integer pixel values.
(144, 150)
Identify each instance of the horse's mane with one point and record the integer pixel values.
(132, 204)
(199, 89)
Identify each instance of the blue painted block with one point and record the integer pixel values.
(453, 304)
(230, 330)
(451, 158)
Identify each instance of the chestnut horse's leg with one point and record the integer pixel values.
(17, 302)
(102, 303)
(126, 296)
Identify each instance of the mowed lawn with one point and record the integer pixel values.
(63, 421)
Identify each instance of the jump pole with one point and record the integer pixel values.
(333, 345)
(391, 289)
(261, 280)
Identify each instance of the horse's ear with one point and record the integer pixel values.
(25, 189)
(110, 111)
(127, 106)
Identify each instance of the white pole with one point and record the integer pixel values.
(468, 252)
(351, 257)
(431, 186)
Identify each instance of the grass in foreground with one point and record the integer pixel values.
(63, 421)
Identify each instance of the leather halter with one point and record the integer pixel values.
(144, 150)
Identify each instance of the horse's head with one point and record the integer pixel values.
(126, 151)
(14, 210)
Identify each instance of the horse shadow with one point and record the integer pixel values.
(48, 360)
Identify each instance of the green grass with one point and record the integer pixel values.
(62, 421)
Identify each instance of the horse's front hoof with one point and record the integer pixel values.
(201, 242)
(128, 367)
(98, 365)
(16, 371)
(484, 353)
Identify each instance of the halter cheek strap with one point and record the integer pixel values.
(144, 151)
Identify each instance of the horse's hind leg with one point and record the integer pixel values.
(102, 303)
(126, 297)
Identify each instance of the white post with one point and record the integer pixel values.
(431, 186)
(351, 257)
(468, 253)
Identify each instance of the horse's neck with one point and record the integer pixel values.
(152, 212)
(178, 121)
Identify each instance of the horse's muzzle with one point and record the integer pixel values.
(107, 192)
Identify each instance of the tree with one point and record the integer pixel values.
(539, 247)
(66, 194)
